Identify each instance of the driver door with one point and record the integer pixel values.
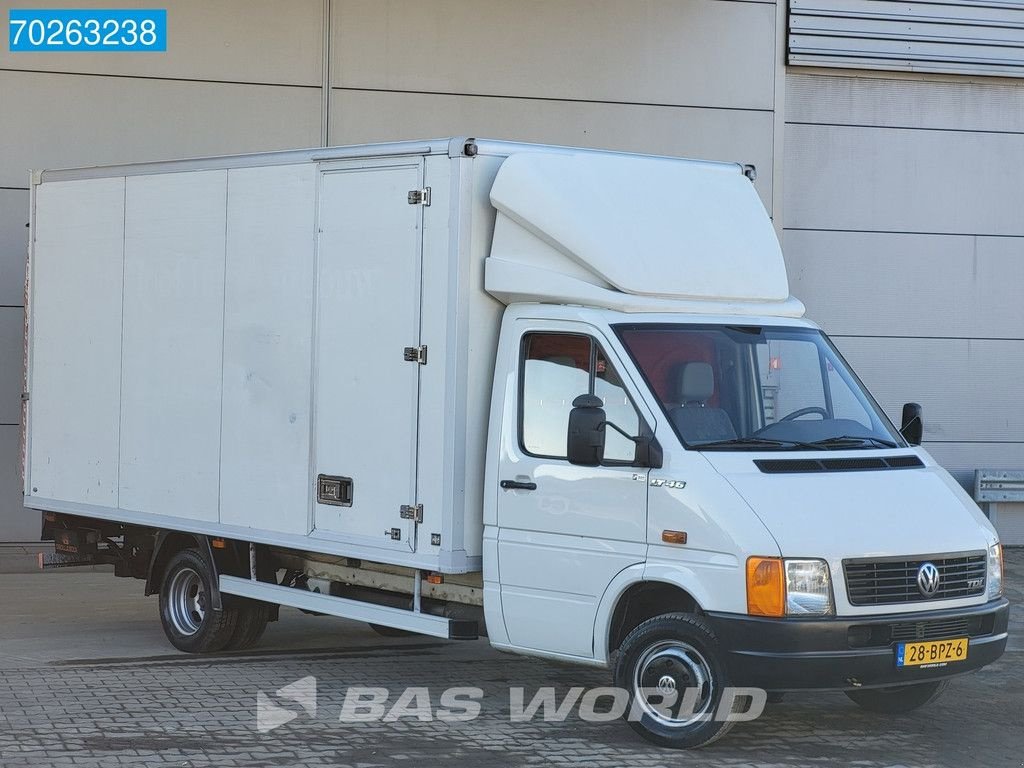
(565, 530)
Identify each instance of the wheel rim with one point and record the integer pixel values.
(186, 601)
(673, 666)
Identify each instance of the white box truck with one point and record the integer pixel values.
(560, 396)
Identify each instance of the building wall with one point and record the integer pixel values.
(904, 235)
(641, 76)
(238, 77)
(701, 78)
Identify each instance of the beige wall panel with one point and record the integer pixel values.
(732, 135)
(13, 245)
(247, 41)
(55, 121)
(984, 104)
(963, 458)
(968, 387)
(693, 53)
(880, 284)
(895, 180)
(12, 346)
(16, 522)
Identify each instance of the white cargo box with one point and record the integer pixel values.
(209, 339)
(297, 348)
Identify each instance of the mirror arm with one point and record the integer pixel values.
(618, 429)
(645, 446)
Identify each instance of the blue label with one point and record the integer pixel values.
(80, 30)
(900, 654)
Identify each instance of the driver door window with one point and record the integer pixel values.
(557, 368)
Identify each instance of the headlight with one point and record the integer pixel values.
(777, 587)
(995, 571)
(808, 588)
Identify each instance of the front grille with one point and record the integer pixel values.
(890, 580)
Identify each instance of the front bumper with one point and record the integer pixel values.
(844, 652)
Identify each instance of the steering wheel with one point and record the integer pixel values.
(804, 411)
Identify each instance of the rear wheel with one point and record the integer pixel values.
(894, 701)
(188, 618)
(253, 617)
(671, 666)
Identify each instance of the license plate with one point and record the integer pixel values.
(935, 653)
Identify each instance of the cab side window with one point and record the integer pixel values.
(556, 369)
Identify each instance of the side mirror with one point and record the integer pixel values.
(586, 431)
(913, 426)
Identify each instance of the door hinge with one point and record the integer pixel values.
(412, 512)
(24, 397)
(419, 196)
(416, 354)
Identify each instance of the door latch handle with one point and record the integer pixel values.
(518, 485)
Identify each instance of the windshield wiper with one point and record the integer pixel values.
(754, 442)
(843, 441)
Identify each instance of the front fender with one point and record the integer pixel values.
(676, 574)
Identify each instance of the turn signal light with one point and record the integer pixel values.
(766, 587)
(673, 537)
(218, 543)
(435, 578)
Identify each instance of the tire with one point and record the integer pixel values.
(188, 621)
(385, 631)
(671, 653)
(253, 616)
(896, 701)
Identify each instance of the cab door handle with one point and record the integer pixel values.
(518, 485)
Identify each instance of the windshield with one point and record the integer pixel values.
(756, 388)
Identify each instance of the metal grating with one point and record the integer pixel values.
(853, 464)
(968, 37)
(936, 630)
(888, 581)
(883, 635)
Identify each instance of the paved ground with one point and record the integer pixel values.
(86, 679)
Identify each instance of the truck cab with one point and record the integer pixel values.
(729, 479)
(686, 481)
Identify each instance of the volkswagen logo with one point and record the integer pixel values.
(667, 685)
(928, 579)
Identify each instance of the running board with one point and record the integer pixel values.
(398, 618)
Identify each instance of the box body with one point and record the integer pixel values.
(208, 341)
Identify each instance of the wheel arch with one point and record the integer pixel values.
(636, 594)
(167, 544)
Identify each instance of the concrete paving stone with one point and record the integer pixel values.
(83, 698)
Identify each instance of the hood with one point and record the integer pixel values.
(859, 514)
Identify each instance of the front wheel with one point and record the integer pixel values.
(672, 668)
(895, 701)
(189, 620)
